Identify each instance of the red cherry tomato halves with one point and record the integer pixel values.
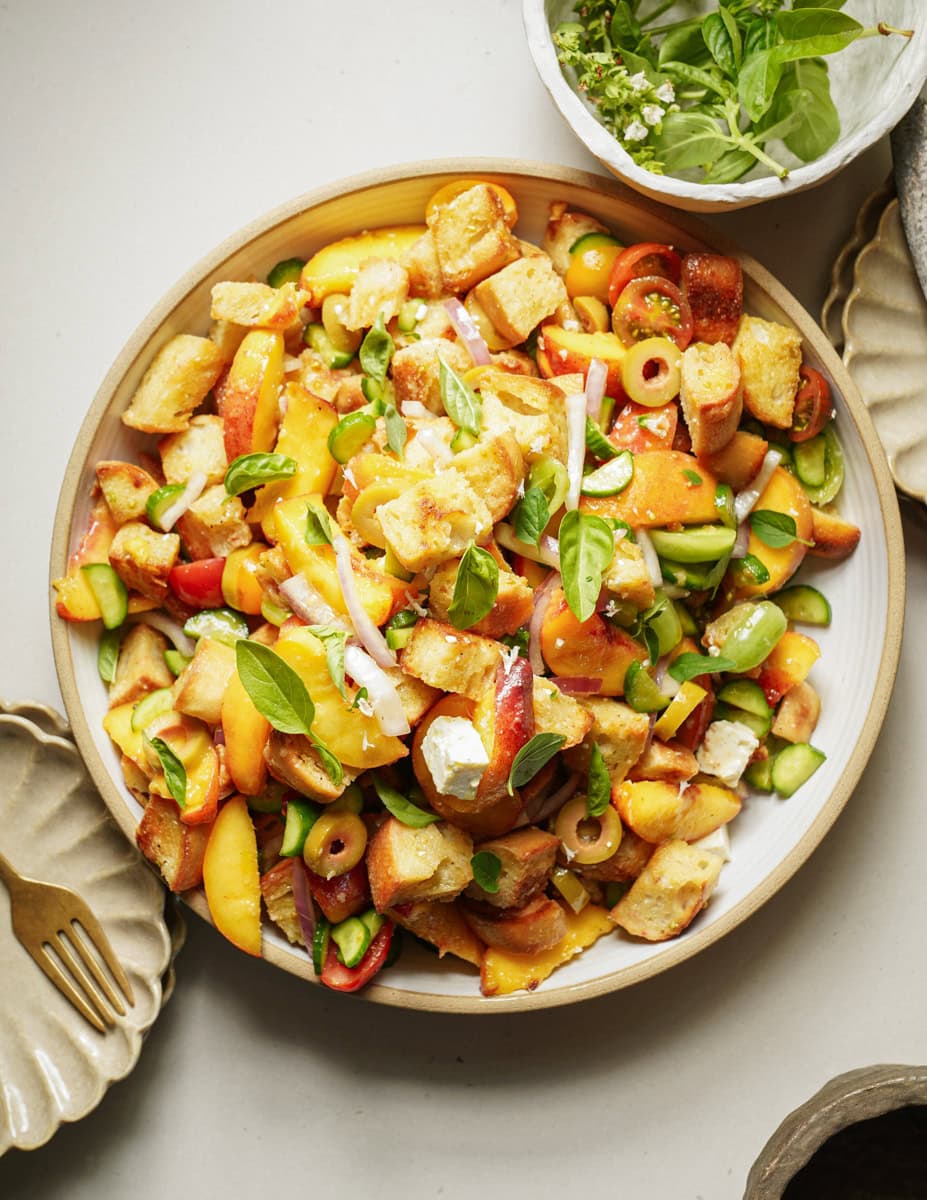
(646, 258)
(813, 406)
(199, 583)
(652, 307)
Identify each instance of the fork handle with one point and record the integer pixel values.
(8, 873)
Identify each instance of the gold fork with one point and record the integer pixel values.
(51, 922)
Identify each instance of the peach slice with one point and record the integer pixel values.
(76, 602)
(668, 488)
(738, 461)
(231, 878)
(335, 267)
(503, 972)
(783, 494)
(246, 732)
(248, 397)
(788, 664)
(659, 811)
(593, 649)
(566, 351)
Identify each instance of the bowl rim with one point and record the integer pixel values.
(696, 940)
(717, 196)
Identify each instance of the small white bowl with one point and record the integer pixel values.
(874, 82)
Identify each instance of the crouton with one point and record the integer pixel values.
(380, 289)
(526, 858)
(627, 577)
(618, 731)
(471, 237)
(214, 525)
(536, 433)
(519, 297)
(537, 926)
(405, 864)
(711, 396)
(415, 371)
(125, 489)
(421, 264)
(415, 696)
(319, 379)
(670, 891)
(350, 394)
(200, 687)
(176, 849)
(797, 714)
(668, 761)
(511, 609)
(435, 321)
(257, 305)
(495, 469)
(228, 337)
(292, 759)
(739, 460)
(201, 447)
(442, 924)
(515, 362)
(277, 891)
(143, 558)
(769, 355)
(714, 287)
(183, 373)
(140, 667)
(632, 855)
(434, 520)
(564, 228)
(450, 660)
(555, 712)
(832, 536)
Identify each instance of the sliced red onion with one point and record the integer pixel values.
(302, 901)
(659, 670)
(381, 691)
(219, 736)
(651, 560)
(746, 499)
(742, 541)
(547, 551)
(468, 333)
(544, 807)
(368, 635)
(194, 489)
(596, 378)
(433, 446)
(576, 445)
(541, 601)
(170, 628)
(649, 737)
(576, 684)
(310, 604)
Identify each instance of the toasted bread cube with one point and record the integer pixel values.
(415, 696)
(710, 395)
(140, 667)
(471, 237)
(349, 396)
(632, 855)
(214, 525)
(201, 685)
(769, 355)
(201, 447)
(564, 228)
(380, 288)
(451, 660)
(495, 469)
(618, 731)
(277, 891)
(228, 337)
(519, 297)
(143, 559)
(405, 864)
(422, 267)
(434, 520)
(442, 924)
(134, 778)
(627, 576)
(713, 284)
(670, 891)
(515, 362)
(531, 408)
(526, 858)
(668, 761)
(798, 713)
(833, 537)
(555, 712)
(511, 609)
(415, 371)
(257, 305)
(535, 927)
(125, 489)
(176, 849)
(178, 381)
(292, 759)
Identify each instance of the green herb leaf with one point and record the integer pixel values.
(175, 776)
(599, 787)
(402, 809)
(535, 754)
(108, 654)
(530, 516)
(252, 470)
(625, 29)
(817, 31)
(587, 546)
(774, 529)
(758, 81)
(475, 588)
(460, 401)
(361, 695)
(334, 641)
(730, 167)
(692, 476)
(690, 139)
(761, 34)
(376, 351)
(396, 431)
(276, 691)
(319, 530)
(818, 124)
(683, 44)
(332, 765)
(487, 868)
(722, 37)
(688, 666)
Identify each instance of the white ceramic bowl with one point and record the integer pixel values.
(771, 838)
(874, 82)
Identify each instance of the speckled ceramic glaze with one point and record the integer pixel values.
(54, 1067)
(909, 149)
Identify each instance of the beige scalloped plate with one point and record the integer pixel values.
(771, 838)
(53, 1066)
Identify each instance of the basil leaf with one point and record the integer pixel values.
(710, 80)
(396, 432)
(730, 167)
(535, 754)
(587, 546)
(334, 641)
(684, 43)
(376, 351)
(332, 765)
(796, 4)
(818, 123)
(761, 34)
(460, 401)
(318, 527)
(475, 588)
(251, 470)
(487, 868)
(599, 787)
(774, 529)
(276, 691)
(819, 30)
(690, 139)
(625, 28)
(688, 666)
(759, 78)
(722, 37)
(693, 477)
(530, 516)
(175, 776)
(359, 698)
(108, 653)
(402, 809)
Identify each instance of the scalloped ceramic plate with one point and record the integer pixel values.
(771, 838)
(54, 1067)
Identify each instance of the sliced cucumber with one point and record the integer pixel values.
(750, 570)
(374, 922)
(350, 434)
(410, 313)
(759, 725)
(398, 639)
(160, 501)
(320, 940)
(270, 800)
(463, 440)
(833, 469)
(301, 815)
(804, 604)
(724, 505)
(399, 628)
(696, 544)
(611, 478)
(745, 694)
(175, 661)
(352, 937)
(220, 624)
(598, 444)
(793, 766)
(641, 691)
(273, 613)
(288, 270)
(109, 592)
(810, 460)
(333, 358)
(154, 705)
(108, 654)
(758, 775)
(392, 566)
(696, 577)
(589, 241)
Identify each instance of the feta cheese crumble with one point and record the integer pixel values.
(455, 755)
(725, 750)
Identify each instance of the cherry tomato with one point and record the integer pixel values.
(652, 307)
(638, 428)
(199, 584)
(646, 258)
(813, 406)
(348, 979)
(341, 897)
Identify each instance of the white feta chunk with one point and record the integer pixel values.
(725, 750)
(718, 842)
(455, 755)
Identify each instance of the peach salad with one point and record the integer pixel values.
(453, 590)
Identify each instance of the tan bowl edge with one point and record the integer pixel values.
(695, 940)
